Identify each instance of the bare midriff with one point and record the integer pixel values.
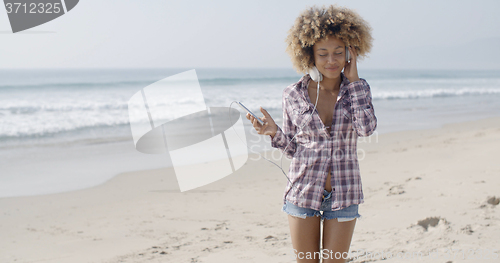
(328, 184)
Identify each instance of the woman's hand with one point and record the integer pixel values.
(269, 127)
(351, 68)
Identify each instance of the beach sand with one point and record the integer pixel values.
(425, 190)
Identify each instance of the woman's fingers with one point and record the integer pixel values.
(354, 55)
(254, 121)
(260, 128)
(350, 70)
(257, 126)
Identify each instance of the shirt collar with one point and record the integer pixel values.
(304, 81)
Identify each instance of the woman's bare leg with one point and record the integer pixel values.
(305, 238)
(337, 238)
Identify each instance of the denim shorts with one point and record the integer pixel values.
(342, 215)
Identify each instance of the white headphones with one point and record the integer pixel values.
(315, 75)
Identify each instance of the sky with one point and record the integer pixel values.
(249, 34)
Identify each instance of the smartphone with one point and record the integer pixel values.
(247, 110)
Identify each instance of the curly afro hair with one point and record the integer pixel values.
(315, 24)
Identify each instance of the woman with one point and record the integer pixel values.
(320, 136)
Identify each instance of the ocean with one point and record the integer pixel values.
(68, 129)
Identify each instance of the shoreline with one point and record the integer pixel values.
(141, 216)
(112, 157)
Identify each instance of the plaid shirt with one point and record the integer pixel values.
(313, 151)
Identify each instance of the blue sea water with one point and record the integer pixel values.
(46, 113)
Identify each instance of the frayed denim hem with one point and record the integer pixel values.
(299, 215)
(358, 216)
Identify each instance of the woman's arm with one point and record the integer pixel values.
(363, 114)
(282, 138)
